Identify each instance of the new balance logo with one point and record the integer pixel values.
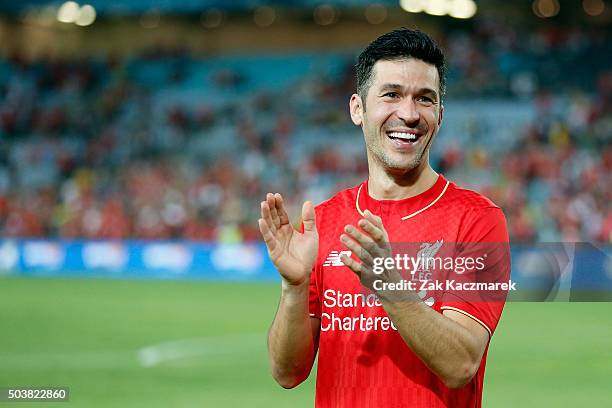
(333, 259)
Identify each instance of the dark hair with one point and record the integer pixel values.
(399, 44)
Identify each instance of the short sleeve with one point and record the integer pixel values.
(480, 290)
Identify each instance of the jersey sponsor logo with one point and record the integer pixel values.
(333, 259)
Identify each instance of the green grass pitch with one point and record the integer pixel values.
(199, 344)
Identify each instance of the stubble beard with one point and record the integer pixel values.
(378, 153)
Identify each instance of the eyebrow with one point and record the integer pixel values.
(398, 87)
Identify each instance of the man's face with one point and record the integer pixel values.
(402, 114)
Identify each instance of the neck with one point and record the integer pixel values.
(385, 185)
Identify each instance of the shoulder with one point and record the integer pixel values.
(469, 200)
(481, 218)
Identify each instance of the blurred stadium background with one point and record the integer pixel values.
(138, 137)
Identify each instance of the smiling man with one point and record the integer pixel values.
(402, 345)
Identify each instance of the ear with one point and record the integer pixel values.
(440, 115)
(356, 109)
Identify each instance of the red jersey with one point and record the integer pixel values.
(363, 361)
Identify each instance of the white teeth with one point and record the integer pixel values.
(402, 135)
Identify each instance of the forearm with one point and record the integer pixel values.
(451, 346)
(445, 346)
(291, 347)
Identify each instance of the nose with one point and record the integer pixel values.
(407, 111)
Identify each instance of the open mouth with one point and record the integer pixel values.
(403, 138)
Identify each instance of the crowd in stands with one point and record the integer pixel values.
(171, 146)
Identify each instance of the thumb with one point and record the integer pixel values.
(308, 217)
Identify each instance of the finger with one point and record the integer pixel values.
(363, 239)
(269, 238)
(308, 217)
(375, 219)
(376, 233)
(280, 209)
(267, 216)
(359, 251)
(352, 264)
(273, 212)
(377, 222)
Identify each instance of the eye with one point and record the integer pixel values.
(391, 94)
(425, 100)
